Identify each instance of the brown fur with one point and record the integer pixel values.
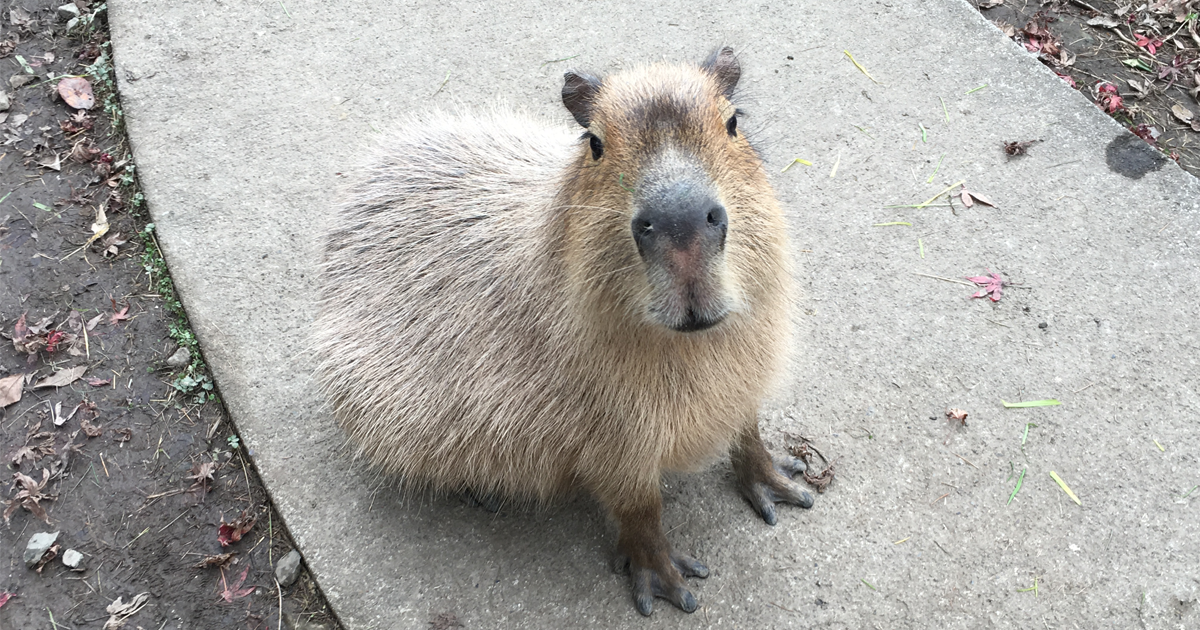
(486, 321)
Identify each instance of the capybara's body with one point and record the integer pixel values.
(512, 310)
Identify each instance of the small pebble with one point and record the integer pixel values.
(180, 358)
(67, 11)
(73, 559)
(5, 101)
(38, 544)
(17, 80)
(288, 568)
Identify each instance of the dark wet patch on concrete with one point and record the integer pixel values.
(1130, 156)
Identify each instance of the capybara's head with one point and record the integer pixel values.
(669, 191)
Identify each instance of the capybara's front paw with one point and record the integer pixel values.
(764, 486)
(663, 576)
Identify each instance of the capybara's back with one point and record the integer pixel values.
(512, 309)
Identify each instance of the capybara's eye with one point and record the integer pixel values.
(597, 146)
(731, 126)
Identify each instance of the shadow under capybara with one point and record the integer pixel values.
(512, 309)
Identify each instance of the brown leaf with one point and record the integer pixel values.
(76, 92)
(47, 556)
(968, 197)
(1184, 114)
(1013, 149)
(220, 561)
(98, 382)
(62, 377)
(117, 315)
(229, 533)
(10, 389)
(29, 496)
(957, 415)
(85, 419)
(123, 435)
(202, 473)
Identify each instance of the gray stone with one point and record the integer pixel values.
(17, 80)
(72, 23)
(179, 358)
(38, 544)
(288, 568)
(5, 101)
(67, 12)
(73, 559)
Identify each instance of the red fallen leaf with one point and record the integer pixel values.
(1145, 42)
(229, 533)
(1146, 132)
(98, 382)
(1109, 98)
(992, 285)
(117, 315)
(230, 593)
(5, 596)
(76, 92)
(52, 340)
(1068, 78)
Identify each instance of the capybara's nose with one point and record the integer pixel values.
(680, 217)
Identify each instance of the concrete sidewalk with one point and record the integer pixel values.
(242, 116)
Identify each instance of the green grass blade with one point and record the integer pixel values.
(1050, 402)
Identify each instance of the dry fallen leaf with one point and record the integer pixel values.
(76, 92)
(235, 591)
(62, 377)
(969, 198)
(29, 496)
(117, 315)
(1184, 114)
(229, 533)
(85, 419)
(220, 561)
(1013, 149)
(10, 389)
(120, 611)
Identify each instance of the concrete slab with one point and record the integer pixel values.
(243, 114)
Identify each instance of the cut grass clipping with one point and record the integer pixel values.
(1017, 489)
(1031, 403)
(1062, 484)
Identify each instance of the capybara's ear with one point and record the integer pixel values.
(579, 94)
(725, 67)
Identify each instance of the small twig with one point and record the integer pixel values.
(1086, 6)
(965, 459)
(1084, 387)
(784, 608)
(997, 323)
(939, 546)
(944, 279)
(279, 590)
(135, 538)
(444, 82)
(173, 520)
(939, 498)
(104, 465)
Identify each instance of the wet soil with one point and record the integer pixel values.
(144, 498)
(1144, 52)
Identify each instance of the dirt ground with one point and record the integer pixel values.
(131, 459)
(1139, 61)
